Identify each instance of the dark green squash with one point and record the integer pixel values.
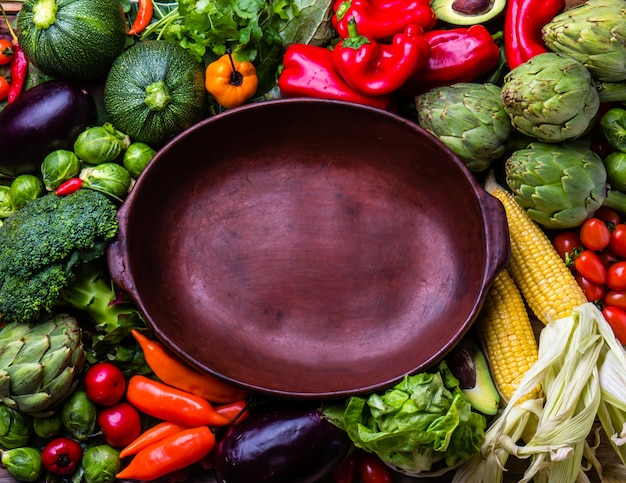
(155, 90)
(72, 39)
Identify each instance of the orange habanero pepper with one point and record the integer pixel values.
(231, 82)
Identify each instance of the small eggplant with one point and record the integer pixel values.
(296, 445)
(44, 118)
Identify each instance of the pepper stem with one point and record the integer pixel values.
(354, 40)
(236, 79)
(6, 20)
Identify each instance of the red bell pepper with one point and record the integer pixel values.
(456, 55)
(309, 71)
(382, 19)
(376, 69)
(523, 21)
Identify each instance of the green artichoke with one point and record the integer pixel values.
(559, 185)
(550, 97)
(39, 363)
(468, 118)
(594, 33)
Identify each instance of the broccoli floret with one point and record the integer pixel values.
(42, 244)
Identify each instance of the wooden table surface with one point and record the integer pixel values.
(605, 454)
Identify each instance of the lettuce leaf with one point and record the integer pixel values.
(422, 420)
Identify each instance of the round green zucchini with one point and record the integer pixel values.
(155, 90)
(72, 39)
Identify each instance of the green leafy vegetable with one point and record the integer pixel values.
(422, 420)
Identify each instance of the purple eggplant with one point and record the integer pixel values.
(295, 445)
(45, 118)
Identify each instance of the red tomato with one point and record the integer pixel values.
(4, 88)
(617, 320)
(594, 234)
(616, 276)
(373, 470)
(592, 291)
(618, 240)
(61, 456)
(566, 244)
(121, 424)
(590, 266)
(345, 472)
(6, 51)
(105, 384)
(609, 216)
(615, 298)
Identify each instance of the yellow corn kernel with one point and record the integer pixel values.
(547, 285)
(508, 336)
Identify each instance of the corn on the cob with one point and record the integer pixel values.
(508, 337)
(548, 286)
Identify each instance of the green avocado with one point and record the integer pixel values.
(467, 12)
(468, 363)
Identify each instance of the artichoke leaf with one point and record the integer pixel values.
(31, 403)
(26, 378)
(32, 351)
(9, 352)
(54, 363)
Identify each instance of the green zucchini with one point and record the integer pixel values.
(155, 90)
(72, 39)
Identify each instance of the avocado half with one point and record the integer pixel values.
(467, 12)
(469, 365)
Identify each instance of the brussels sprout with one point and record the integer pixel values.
(79, 415)
(48, 426)
(615, 164)
(137, 157)
(16, 428)
(59, 166)
(613, 127)
(24, 188)
(6, 207)
(101, 464)
(100, 144)
(23, 464)
(110, 178)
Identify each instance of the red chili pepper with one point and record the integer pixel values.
(523, 22)
(170, 454)
(61, 456)
(19, 64)
(68, 187)
(456, 55)
(309, 71)
(382, 19)
(170, 404)
(235, 411)
(145, 11)
(376, 69)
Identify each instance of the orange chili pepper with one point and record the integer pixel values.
(145, 11)
(231, 82)
(173, 371)
(170, 454)
(150, 436)
(171, 404)
(235, 411)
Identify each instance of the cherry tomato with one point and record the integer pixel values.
(618, 240)
(616, 318)
(345, 472)
(373, 470)
(592, 291)
(6, 51)
(62, 456)
(590, 266)
(105, 383)
(567, 243)
(609, 216)
(616, 276)
(4, 88)
(121, 424)
(594, 234)
(615, 298)
(608, 258)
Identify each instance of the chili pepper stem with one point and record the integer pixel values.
(6, 20)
